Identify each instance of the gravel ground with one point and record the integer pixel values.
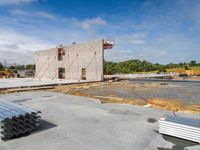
(187, 92)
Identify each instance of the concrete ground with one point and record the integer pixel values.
(29, 82)
(78, 123)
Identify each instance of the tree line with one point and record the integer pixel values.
(126, 67)
(136, 65)
(18, 67)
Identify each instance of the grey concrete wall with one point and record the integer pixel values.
(77, 56)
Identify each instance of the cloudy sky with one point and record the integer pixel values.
(160, 31)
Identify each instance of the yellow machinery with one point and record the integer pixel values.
(6, 74)
(188, 72)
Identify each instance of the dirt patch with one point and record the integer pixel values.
(174, 105)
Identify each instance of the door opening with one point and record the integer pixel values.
(61, 73)
(83, 74)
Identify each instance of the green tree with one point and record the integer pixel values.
(1, 67)
(192, 63)
(12, 67)
(20, 67)
(136, 65)
(186, 67)
(30, 66)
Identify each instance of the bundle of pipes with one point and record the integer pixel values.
(181, 127)
(17, 120)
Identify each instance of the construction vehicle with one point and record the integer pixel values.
(7, 74)
(188, 72)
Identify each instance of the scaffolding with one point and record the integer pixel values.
(108, 43)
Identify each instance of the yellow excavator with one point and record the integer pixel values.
(7, 74)
(188, 72)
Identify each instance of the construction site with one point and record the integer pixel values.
(71, 104)
(75, 62)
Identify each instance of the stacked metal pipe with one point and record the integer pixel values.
(17, 120)
(181, 127)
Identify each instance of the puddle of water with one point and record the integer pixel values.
(151, 120)
(48, 96)
(22, 100)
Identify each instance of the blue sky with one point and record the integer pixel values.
(160, 31)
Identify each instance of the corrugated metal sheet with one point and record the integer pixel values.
(17, 120)
(181, 127)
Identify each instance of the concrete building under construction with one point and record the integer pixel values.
(82, 61)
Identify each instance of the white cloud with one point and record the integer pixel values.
(152, 54)
(33, 34)
(133, 36)
(195, 14)
(165, 48)
(19, 48)
(161, 54)
(20, 42)
(18, 12)
(157, 38)
(7, 2)
(139, 35)
(117, 52)
(124, 51)
(137, 41)
(46, 15)
(40, 14)
(88, 23)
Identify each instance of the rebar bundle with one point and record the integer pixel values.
(17, 120)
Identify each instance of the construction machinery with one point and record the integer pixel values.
(188, 72)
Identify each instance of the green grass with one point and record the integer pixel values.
(146, 72)
(168, 70)
(195, 68)
(192, 68)
(172, 70)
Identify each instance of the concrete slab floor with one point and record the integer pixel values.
(29, 82)
(78, 123)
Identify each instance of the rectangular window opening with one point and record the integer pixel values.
(61, 53)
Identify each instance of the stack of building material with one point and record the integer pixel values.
(181, 127)
(17, 120)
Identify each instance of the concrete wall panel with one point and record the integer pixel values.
(77, 56)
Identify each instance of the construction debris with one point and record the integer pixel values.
(17, 120)
(181, 127)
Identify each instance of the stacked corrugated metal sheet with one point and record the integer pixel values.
(181, 127)
(17, 120)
